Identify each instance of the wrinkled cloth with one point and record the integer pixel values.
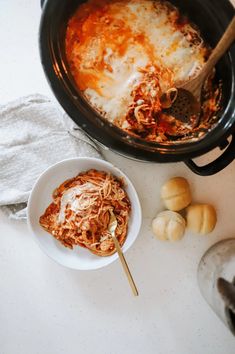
(34, 134)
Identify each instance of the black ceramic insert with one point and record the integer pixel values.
(212, 17)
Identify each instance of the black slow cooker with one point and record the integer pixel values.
(212, 17)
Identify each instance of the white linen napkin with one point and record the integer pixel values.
(34, 134)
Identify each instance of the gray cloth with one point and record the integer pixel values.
(34, 134)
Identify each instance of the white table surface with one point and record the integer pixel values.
(48, 309)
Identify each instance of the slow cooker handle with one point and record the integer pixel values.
(217, 165)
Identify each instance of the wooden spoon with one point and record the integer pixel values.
(187, 104)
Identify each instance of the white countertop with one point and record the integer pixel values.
(48, 309)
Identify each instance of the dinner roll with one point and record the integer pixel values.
(168, 225)
(201, 218)
(176, 194)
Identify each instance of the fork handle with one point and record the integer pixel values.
(125, 267)
(223, 45)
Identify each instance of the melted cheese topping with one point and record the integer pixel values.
(74, 199)
(108, 41)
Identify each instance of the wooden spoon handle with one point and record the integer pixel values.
(125, 266)
(223, 45)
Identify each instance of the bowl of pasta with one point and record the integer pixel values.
(69, 212)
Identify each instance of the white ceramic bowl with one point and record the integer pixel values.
(41, 197)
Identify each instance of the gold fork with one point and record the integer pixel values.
(112, 229)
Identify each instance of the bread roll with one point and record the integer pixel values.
(201, 218)
(176, 194)
(168, 225)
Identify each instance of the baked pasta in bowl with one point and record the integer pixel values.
(69, 211)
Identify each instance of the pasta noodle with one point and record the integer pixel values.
(80, 212)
